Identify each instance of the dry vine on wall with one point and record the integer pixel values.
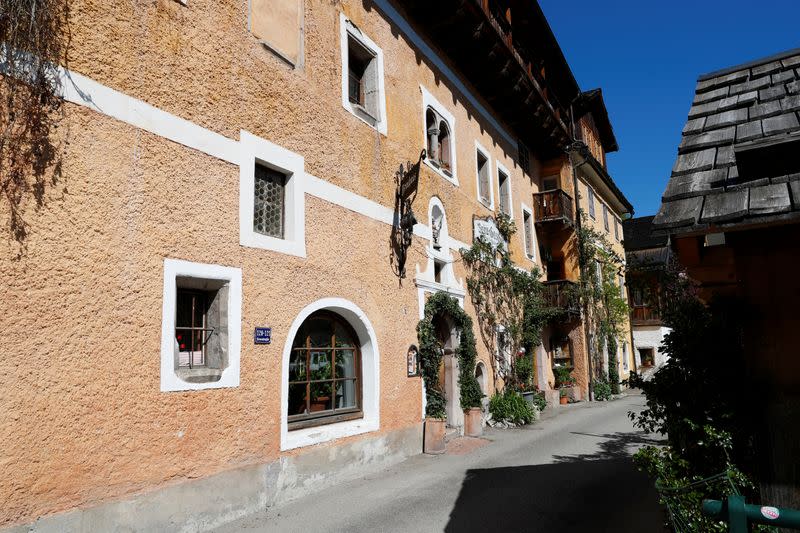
(34, 39)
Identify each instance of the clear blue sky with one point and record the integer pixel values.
(647, 54)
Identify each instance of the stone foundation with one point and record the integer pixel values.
(200, 505)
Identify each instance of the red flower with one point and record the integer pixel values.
(183, 346)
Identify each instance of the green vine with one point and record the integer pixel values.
(605, 309)
(510, 305)
(438, 306)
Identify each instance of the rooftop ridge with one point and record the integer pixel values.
(749, 64)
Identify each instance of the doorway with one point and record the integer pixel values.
(447, 338)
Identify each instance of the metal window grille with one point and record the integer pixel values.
(268, 211)
(191, 331)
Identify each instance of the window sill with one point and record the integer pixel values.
(324, 420)
(199, 375)
(364, 116)
(449, 176)
(310, 436)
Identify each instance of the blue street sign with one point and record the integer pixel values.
(263, 335)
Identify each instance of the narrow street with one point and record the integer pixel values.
(569, 472)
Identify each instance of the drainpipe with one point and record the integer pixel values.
(570, 151)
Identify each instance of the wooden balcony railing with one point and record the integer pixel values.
(562, 294)
(645, 314)
(553, 206)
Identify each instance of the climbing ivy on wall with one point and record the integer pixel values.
(508, 297)
(441, 305)
(605, 310)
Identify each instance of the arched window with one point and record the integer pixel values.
(433, 136)
(324, 372)
(444, 147)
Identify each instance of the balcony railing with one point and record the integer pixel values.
(645, 314)
(553, 206)
(562, 294)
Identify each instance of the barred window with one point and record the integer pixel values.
(268, 211)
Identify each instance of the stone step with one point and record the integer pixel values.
(451, 433)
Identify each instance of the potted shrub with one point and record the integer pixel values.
(563, 397)
(524, 374)
(471, 397)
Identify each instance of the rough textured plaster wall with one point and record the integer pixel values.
(82, 309)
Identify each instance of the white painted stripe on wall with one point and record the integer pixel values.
(84, 91)
(447, 72)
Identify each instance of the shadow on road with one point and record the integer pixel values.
(584, 493)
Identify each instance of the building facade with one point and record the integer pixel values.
(647, 256)
(208, 314)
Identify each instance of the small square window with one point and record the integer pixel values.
(271, 197)
(201, 326)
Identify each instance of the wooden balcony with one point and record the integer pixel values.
(645, 315)
(553, 206)
(563, 295)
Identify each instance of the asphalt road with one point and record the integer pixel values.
(569, 472)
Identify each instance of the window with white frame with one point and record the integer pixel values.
(440, 146)
(271, 197)
(483, 167)
(590, 200)
(362, 76)
(527, 231)
(201, 326)
(504, 187)
(439, 137)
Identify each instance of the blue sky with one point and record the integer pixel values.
(647, 54)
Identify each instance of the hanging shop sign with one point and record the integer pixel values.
(486, 229)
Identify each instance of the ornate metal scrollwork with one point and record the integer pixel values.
(407, 180)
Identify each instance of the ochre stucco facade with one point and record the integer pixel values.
(86, 421)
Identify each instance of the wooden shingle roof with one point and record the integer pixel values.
(739, 157)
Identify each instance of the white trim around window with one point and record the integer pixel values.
(173, 269)
(370, 375)
(501, 168)
(347, 28)
(528, 244)
(257, 150)
(428, 100)
(485, 153)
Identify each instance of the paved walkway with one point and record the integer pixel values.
(567, 473)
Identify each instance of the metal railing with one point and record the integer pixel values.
(553, 205)
(740, 515)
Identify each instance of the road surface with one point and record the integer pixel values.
(569, 472)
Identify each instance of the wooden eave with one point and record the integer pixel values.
(481, 48)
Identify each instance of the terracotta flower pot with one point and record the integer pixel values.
(473, 423)
(433, 442)
(564, 400)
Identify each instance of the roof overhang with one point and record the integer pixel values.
(592, 102)
(599, 178)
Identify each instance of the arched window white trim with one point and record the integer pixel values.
(370, 375)
(430, 103)
(438, 274)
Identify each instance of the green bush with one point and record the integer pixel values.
(524, 371)
(602, 390)
(563, 376)
(510, 406)
(539, 400)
